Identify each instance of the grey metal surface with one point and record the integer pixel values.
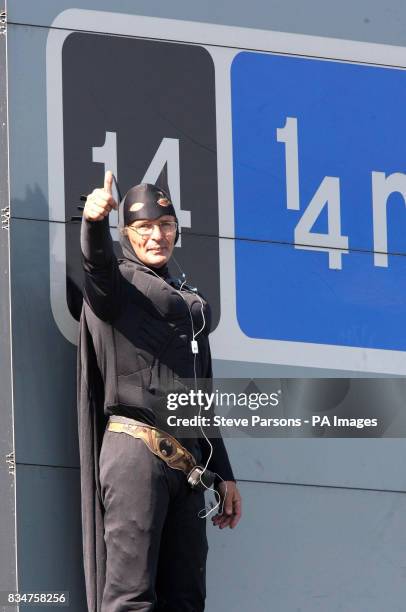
(28, 132)
(307, 549)
(244, 369)
(367, 464)
(49, 533)
(364, 20)
(43, 362)
(8, 563)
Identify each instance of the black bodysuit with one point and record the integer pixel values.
(142, 330)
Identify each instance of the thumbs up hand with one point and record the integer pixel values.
(100, 202)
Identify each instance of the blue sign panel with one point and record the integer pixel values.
(319, 185)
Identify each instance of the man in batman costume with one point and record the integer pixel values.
(144, 544)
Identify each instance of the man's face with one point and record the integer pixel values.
(154, 250)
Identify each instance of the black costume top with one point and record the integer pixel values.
(134, 345)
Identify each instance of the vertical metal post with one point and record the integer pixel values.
(8, 556)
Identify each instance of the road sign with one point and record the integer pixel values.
(319, 156)
(133, 106)
(304, 198)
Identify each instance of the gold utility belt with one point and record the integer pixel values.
(162, 444)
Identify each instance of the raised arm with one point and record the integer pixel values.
(102, 276)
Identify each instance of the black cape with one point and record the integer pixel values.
(91, 422)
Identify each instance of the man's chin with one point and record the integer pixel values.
(157, 260)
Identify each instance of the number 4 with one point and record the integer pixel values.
(334, 242)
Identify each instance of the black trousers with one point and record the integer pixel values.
(156, 544)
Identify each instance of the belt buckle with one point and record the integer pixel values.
(166, 447)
